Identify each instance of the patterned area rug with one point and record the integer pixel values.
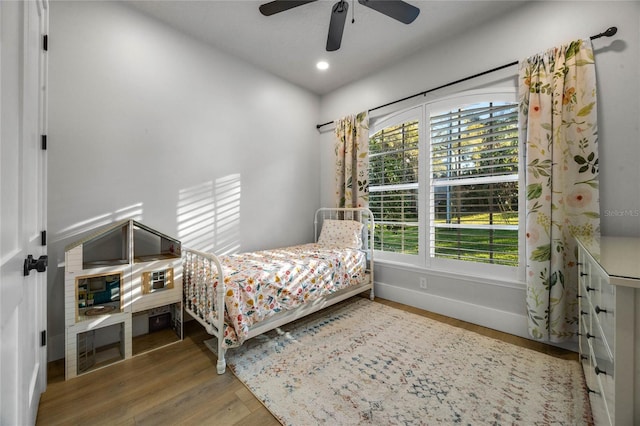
(361, 362)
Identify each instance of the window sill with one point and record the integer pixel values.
(484, 279)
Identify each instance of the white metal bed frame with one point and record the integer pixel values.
(196, 261)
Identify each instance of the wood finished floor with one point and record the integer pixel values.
(178, 384)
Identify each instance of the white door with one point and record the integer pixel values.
(23, 66)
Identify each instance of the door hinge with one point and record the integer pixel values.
(43, 238)
(43, 145)
(45, 42)
(43, 338)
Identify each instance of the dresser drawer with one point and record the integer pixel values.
(603, 294)
(586, 359)
(602, 348)
(589, 285)
(599, 409)
(597, 394)
(604, 310)
(603, 324)
(607, 389)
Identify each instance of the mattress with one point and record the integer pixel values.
(261, 284)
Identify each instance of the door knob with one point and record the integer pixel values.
(39, 264)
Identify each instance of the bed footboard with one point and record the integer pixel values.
(202, 300)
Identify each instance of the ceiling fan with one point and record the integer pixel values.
(396, 9)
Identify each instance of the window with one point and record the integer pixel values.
(445, 194)
(474, 183)
(393, 187)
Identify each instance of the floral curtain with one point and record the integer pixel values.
(352, 160)
(558, 125)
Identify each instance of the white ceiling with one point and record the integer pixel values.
(289, 44)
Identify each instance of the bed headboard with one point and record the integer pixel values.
(359, 214)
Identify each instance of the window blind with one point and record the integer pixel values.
(474, 184)
(393, 189)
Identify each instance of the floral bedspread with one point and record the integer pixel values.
(261, 284)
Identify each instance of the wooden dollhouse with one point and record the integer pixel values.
(123, 283)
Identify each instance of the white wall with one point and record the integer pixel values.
(529, 29)
(145, 122)
(148, 123)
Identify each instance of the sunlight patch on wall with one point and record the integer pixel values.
(133, 211)
(209, 215)
(196, 216)
(227, 226)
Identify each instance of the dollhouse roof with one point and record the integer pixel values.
(123, 241)
(100, 232)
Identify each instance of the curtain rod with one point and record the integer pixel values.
(611, 31)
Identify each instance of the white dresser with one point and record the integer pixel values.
(609, 276)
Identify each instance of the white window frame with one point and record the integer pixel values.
(422, 113)
(412, 114)
(467, 267)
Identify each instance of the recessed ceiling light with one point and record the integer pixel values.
(322, 65)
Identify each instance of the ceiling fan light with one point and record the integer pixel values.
(322, 65)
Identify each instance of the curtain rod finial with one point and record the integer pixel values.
(609, 32)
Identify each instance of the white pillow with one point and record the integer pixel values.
(341, 233)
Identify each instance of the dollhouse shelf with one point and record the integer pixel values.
(106, 262)
(121, 281)
(149, 258)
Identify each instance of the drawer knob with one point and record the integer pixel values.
(583, 274)
(590, 336)
(589, 390)
(584, 357)
(599, 309)
(598, 371)
(584, 313)
(591, 288)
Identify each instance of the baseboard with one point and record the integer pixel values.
(507, 322)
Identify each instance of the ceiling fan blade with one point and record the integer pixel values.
(336, 25)
(396, 9)
(277, 6)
